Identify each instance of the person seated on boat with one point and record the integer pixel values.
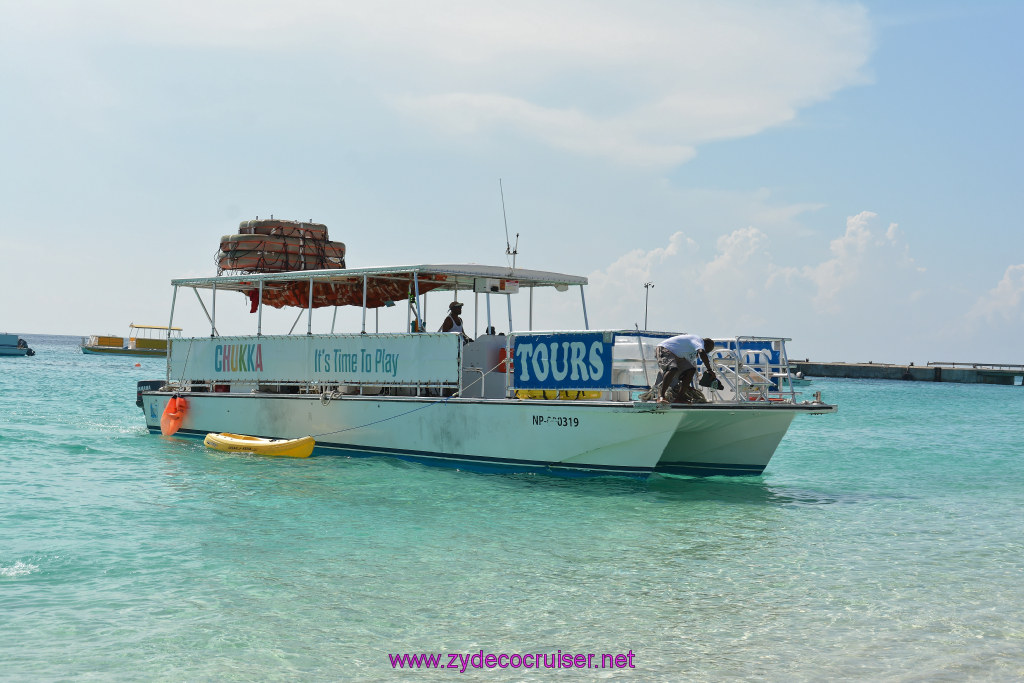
(453, 323)
(677, 364)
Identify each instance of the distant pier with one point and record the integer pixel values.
(963, 373)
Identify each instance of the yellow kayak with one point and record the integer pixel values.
(240, 443)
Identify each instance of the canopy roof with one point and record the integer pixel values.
(384, 285)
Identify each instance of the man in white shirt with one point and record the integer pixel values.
(677, 360)
(453, 323)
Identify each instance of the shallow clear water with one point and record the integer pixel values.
(882, 543)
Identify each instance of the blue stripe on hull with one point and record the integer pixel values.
(475, 463)
(707, 469)
(472, 463)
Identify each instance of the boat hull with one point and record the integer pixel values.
(726, 440)
(559, 437)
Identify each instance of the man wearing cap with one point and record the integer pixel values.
(453, 323)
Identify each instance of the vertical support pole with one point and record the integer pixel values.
(259, 313)
(476, 315)
(174, 298)
(364, 306)
(416, 284)
(508, 298)
(170, 324)
(487, 298)
(202, 304)
(309, 318)
(583, 298)
(213, 317)
(419, 318)
(531, 309)
(643, 360)
(297, 319)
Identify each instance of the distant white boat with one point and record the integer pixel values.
(12, 345)
(562, 402)
(793, 379)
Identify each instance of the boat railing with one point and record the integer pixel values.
(754, 368)
(986, 366)
(608, 365)
(750, 368)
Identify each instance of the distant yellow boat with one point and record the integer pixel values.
(240, 443)
(143, 340)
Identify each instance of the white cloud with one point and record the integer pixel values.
(639, 83)
(867, 292)
(568, 129)
(741, 259)
(1003, 302)
(647, 83)
(845, 266)
(617, 292)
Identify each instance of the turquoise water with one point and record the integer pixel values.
(882, 543)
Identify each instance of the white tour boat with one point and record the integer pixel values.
(563, 402)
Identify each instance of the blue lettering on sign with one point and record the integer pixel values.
(340, 361)
(562, 361)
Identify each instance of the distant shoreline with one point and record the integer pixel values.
(958, 372)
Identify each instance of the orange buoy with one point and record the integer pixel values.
(174, 413)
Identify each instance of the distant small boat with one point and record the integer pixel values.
(143, 340)
(795, 379)
(799, 380)
(12, 345)
(239, 443)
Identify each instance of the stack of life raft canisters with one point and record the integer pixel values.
(274, 246)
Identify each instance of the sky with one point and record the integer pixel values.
(848, 175)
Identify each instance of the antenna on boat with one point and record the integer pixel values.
(509, 251)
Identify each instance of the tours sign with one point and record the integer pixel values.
(581, 360)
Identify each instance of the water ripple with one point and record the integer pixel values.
(882, 543)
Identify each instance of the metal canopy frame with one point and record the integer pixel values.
(452, 277)
(441, 278)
